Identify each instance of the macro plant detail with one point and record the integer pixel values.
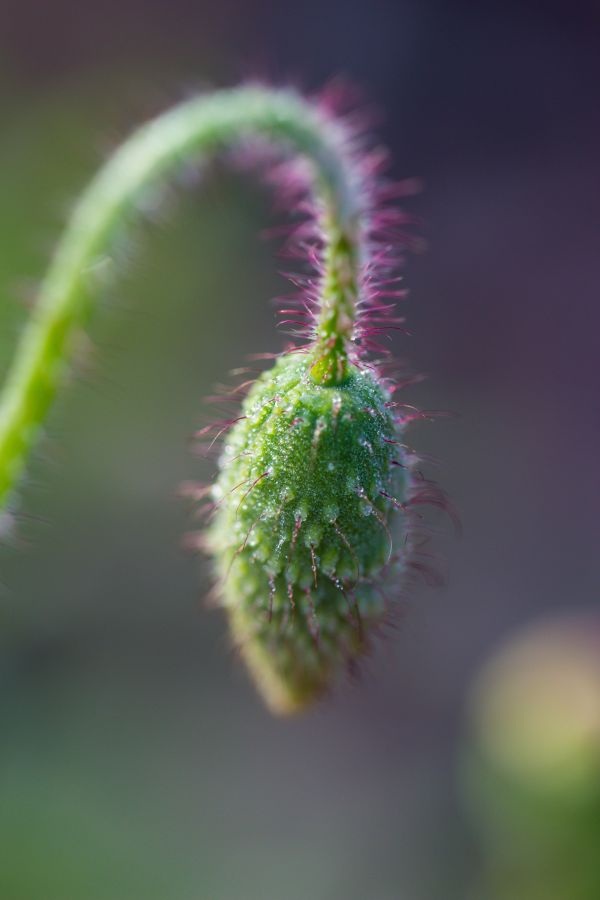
(316, 502)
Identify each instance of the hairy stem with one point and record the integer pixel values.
(190, 131)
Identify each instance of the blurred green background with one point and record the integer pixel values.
(135, 759)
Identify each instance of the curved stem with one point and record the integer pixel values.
(193, 129)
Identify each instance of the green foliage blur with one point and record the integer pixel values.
(136, 761)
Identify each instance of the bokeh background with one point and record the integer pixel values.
(135, 759)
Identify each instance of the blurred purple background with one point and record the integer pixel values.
(116, 692)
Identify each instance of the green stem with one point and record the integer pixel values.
(190, 131)
(337, 313)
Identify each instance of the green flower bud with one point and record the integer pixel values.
(302, 529)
